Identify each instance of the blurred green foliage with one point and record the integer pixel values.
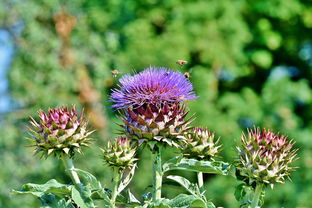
(250, 62)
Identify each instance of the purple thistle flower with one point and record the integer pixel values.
(151, 107)
(154, 85)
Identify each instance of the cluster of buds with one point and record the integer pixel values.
(60, 131)
(120, 153)
(200, 144)
(264, 158)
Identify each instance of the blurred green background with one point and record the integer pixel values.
(250, 62)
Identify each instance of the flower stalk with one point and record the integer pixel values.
(157, 174)
(70, 168)
(257, 194)
(116, 180)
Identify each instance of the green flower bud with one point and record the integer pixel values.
(200, 144)
(120, 153)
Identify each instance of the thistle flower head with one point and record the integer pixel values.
(150, 105)
(60, 131)
(120, 153)
(152, 86)
(200, 144)
(265, 157)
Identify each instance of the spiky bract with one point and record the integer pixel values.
(164, 123)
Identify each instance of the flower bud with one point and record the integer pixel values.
(200, 144)
(58, 132)
(120, 153)
(264, 157)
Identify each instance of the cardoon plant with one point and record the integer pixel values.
(152, 110)
(153, 114)
(264, 159)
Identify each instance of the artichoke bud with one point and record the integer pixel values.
(200, 144)
(60, 131)
(120, 153)
(264, 157)
(161, 123)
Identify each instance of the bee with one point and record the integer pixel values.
(181, 62)
(187, 74)
(115, 72)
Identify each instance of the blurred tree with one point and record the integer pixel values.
(251, 65)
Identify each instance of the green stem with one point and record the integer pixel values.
(200, 179)
(116, 180)
(256, 197)
(157, 174)
(69, 166)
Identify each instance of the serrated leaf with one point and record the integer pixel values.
(89, 178)
(52, 187)
(127, 198)
(190, 187)
(124, 183)
(81, 195)
(97, 191)
(52, 201)
(214, 167)
(161, 203)
(187, 201)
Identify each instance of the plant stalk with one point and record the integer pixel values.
(200, 179)
(116, 180)
(69, 166)
(256, 197)
(157, 174)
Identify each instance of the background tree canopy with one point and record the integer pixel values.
(250, 62)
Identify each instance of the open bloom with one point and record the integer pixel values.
(265, 157)
(120, 153)
(60, 131)
(152, 86)
(150, 104)
(200, 144)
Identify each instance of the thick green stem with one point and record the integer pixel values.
(256, 197)
(116, 180)
(200, 179)
(157, 174)
(69, 166)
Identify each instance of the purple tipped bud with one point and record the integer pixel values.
(60, 131)
(120, 153)
(265, 157)
(200, 144)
